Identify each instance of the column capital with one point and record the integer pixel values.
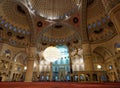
(31, 58)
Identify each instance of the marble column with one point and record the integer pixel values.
(115, 70)
(30, 64)
(12, 72)
(91, 77)
(38, 69)
(78, 77)
(88, 65)
(51, 71)
(71, 69)
(98, 76)
(29, 71)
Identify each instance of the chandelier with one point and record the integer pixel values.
(51, 54)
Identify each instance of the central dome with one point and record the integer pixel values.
(53, 9)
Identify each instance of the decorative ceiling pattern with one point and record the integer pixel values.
(58, 32)
(14, 14)
(95, 11)
(15, 21)
(54, 9)
(101, 31)
(99, 26)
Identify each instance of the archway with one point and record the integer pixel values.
(61, 67)
(18, 67)
(101, 55)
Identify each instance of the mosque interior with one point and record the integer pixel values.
(60, 40)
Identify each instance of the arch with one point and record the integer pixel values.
(61, 23)
(21, 57)
(97, 57)
(73, 38)
(103, 52)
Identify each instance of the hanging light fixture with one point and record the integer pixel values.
(51, 54)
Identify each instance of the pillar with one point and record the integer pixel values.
(115, 70)
(29, 71)
(30, 64)
(86, 46)
(91, 77)
(51, 71)
(88, 65)
(22, 71)
(12, 72)
(38, 69)
(98, 76)
(71, 70)
(112, 7)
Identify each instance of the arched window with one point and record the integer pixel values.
(117, 47)
(8, 53)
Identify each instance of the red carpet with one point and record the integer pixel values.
(57, 85)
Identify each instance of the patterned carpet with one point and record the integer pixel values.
(57, 85)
